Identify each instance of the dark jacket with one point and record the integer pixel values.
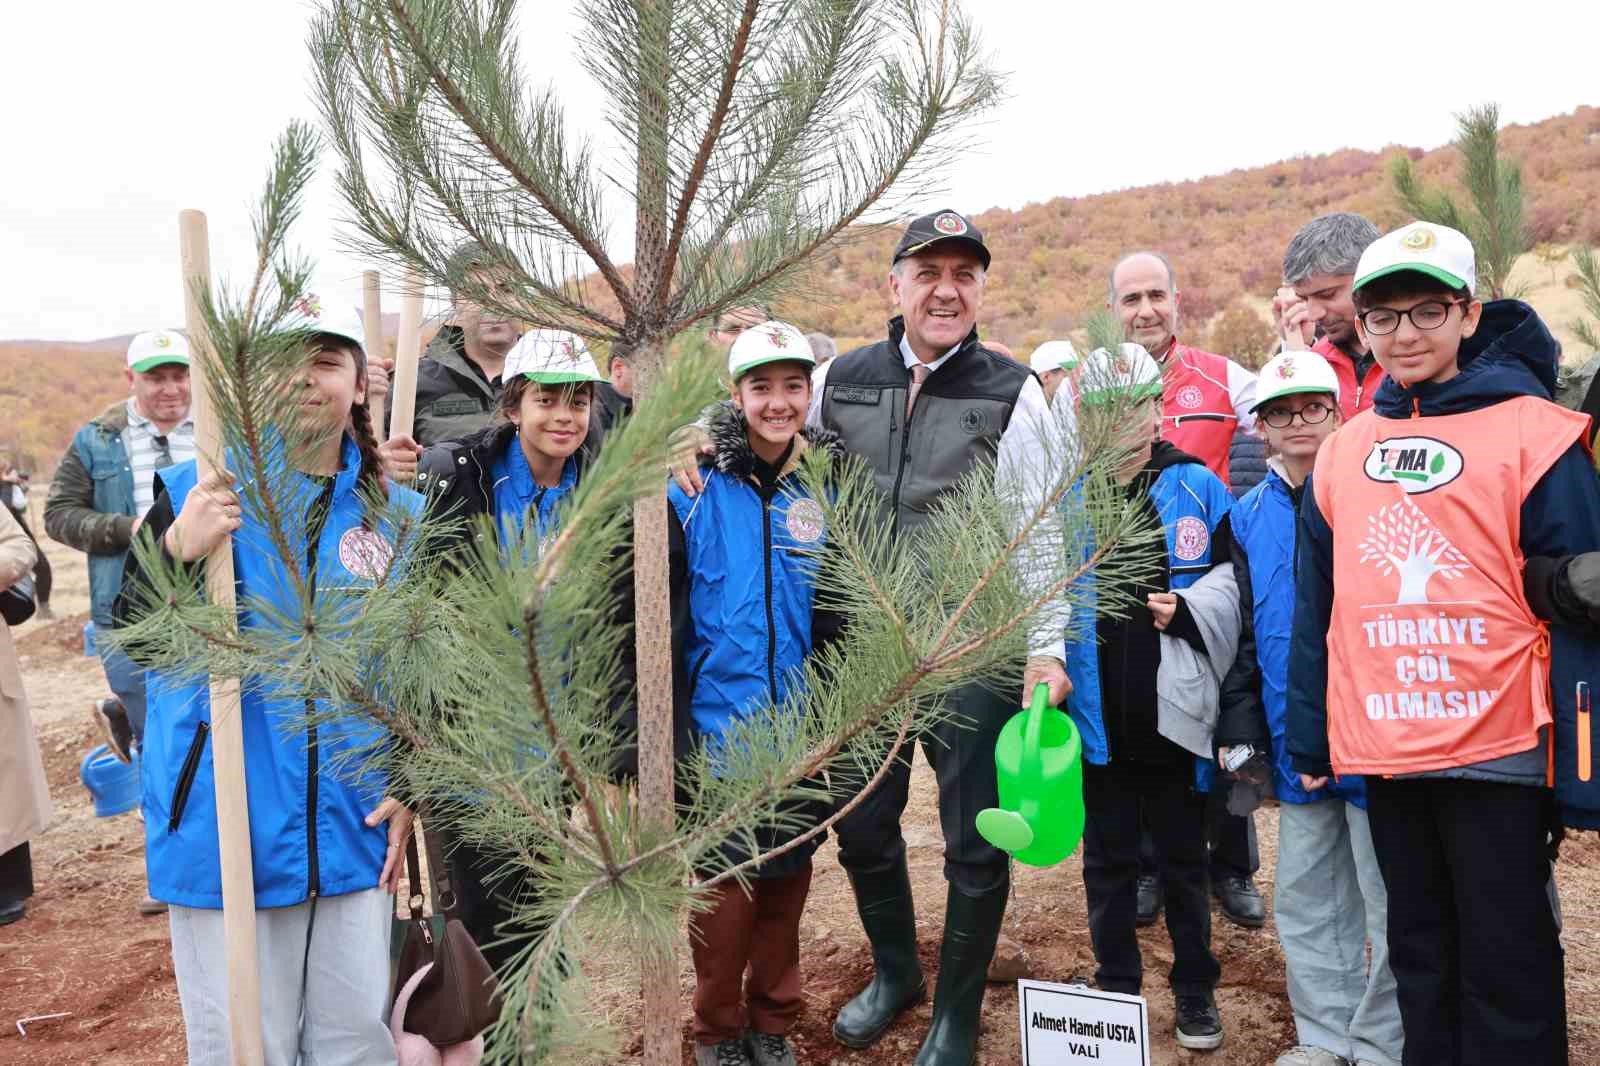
(454, 399)
(962, 411)
(1247, 462)
(91, 507)
(611, 406)
(1511, 354)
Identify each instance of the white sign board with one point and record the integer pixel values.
(1070, 1025)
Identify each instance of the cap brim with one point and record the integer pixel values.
(560, 377)
(144, 366)
(1281, 393)
(1437, 273)
(976, 246)
(745, 368)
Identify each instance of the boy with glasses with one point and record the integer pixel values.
(1329, 898)
(1418, 661)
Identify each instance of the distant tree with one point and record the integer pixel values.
(1588, 329)
(1552, 256)
(1493, 218)
(1243, 335)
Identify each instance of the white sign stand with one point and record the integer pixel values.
(1070, 1025)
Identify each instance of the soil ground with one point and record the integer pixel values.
(84, 951)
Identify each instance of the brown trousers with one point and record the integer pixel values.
(757, 932)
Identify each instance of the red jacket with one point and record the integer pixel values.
(1204, 398)
(1353, 397)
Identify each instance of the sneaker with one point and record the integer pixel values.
(44, 613)
(151, 906)
(727, 1053)
(1199, 1025)
(16, 909)
(768, 1049)
(112, 719)
(1305, 1055)
(1241, 902)
(1150, 899)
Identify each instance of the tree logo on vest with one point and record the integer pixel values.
(805, 521)
(1402, 539)
(366, 553)
(1190, 538)
(1190, 397)
(1416, 464)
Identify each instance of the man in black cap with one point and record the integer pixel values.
(923, 408)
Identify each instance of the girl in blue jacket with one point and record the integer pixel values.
(1330, 901)
(745, 619)
(324, 863)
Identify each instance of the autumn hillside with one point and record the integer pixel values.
(1225, 234)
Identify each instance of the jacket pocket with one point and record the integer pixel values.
(191, 767)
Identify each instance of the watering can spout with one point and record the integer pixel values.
(1038, 766)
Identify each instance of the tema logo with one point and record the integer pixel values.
(1416, 464)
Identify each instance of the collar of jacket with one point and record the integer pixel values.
(730, 438)
(449, 350)
(114, 419)
(897, 330)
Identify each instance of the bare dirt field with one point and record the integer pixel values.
(84, 951)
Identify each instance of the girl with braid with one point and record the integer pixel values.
(326, 842)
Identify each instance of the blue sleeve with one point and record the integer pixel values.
(1306, 725)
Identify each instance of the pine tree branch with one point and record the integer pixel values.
(491, 143)
(708, 142)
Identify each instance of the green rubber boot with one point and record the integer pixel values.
(971, 928)
(884, 902)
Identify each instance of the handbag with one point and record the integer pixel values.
(459, 997)
(16, 602)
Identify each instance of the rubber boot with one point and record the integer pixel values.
(971, 927)
(884, 902)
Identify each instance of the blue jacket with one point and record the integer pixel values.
(98, 454)
(309, 791)
(1253, 694)
(1190, 502)
(1511, 354)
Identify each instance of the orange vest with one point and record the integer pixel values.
(1435, 659)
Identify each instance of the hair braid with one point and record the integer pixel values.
(371, 473)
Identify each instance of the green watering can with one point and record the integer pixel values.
(1039, 762)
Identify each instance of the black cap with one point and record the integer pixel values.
(938, 227)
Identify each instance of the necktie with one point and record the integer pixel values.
(919, 374)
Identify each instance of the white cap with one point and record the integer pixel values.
(551, 357)
(1292, 372)
(310, 314)
(1130, 374)
(157, 347)
(1437, 251)
(1053, 355)
(770, 342)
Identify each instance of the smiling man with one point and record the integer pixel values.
(923, 408)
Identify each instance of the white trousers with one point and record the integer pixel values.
(1329, 904)
(322, 1004)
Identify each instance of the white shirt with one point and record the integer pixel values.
(139, 439)
(1027, 466)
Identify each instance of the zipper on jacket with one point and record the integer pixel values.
(766, 563)
(191, 766)
(314, 530)
(905, 456)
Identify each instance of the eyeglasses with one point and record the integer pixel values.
(163, 451)
(1429, 314)
(1311, 414)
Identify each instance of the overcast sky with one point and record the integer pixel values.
(118, 115)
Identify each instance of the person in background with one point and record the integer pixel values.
(614, 398)
(14, 494)
(1053, 361)
(101, 491)
(1329, 900)
(24, 795)
(1317, 309)
(822, 347)
(1205, 399)
(459, 376)
(732, 321)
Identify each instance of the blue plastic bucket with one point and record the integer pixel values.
(113, 783)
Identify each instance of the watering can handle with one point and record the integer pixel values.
(1033, 734)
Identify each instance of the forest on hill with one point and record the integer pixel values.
(1225, 235)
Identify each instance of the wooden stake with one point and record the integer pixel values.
(227, 727)
(372, 323)
(408, 349)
